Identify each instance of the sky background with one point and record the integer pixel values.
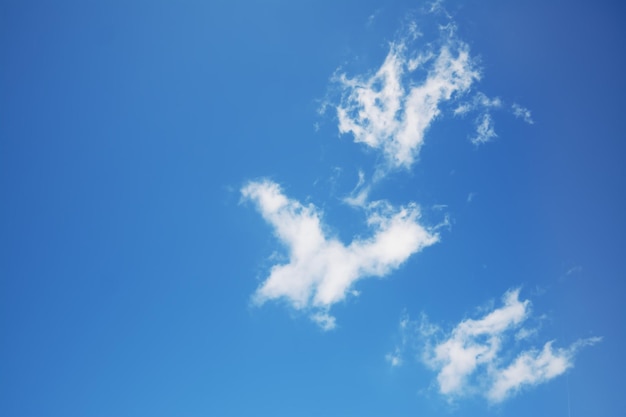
(129, 258)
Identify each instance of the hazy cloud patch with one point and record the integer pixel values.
(522, 113)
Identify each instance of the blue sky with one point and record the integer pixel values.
(356, 208)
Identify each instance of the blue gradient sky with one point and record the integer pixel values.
(128, 260)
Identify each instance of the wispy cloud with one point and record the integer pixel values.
(484, 124)
(392, 109)
(321, 270)
(534, 367)
(389, 110)
(479, 102)
(372, 17)
(473, 343)
(522, 113)
(471, 359)
(574, 270)
(485, 130)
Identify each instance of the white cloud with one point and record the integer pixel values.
(480, 101)
(321, 270)
(525, 333)
(372, 17)
(473, 343)
(522, 113)
(484, 130)
(391, 111)
(533, 368)
(574, 270)
(359, 195)
(472, 358)
(395, 358)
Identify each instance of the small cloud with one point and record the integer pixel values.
(321, 270)
(574, 270)
(407, 329)
(539, 290)
(359, 195)
(446, 223)
(484, 130)
(522, 113)
(480, 101)
(436, 7)
(485, 102)
(534, 367)
(470, 197)
(372, 18)
(571, 272)
(324, 320)
(524, 333)
(394, 358)
(474, 343)
(390, 110)
(472, 358)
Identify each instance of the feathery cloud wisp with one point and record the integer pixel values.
(484, 130)
(522, 113)
(534, 367)
(321, 270)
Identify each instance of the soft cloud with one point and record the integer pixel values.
(321, 270)
(394, 358)
(522, 113)
(534, 367)
(484, 130)
(473, 343)
(484, 122)
(391, 110)
(472, 357)
(574, 270)
(479, 102)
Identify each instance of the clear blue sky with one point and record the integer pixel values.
(184, 232)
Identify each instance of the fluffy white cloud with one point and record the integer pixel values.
(473, 343)
(471, 359)
(321, 270)
(391, 111)
(534, 367)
